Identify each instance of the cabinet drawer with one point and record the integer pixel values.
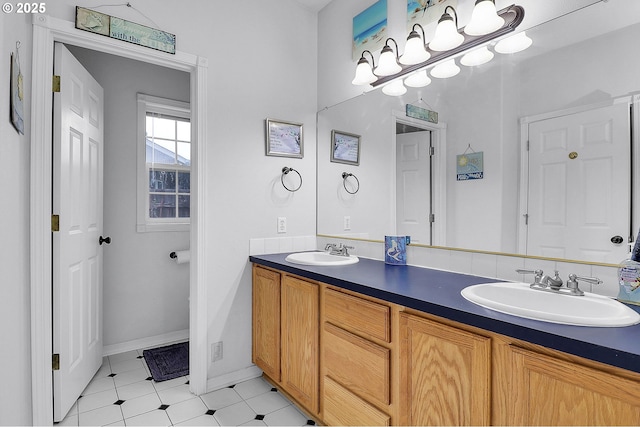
(359, 365)
(343, 408)
(363, 316)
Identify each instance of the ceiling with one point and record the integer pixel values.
(314, 5)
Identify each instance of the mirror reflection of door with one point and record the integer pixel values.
(569, 155)
(413, 183)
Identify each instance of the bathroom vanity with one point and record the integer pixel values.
(375, 344)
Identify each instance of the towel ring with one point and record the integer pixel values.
(346, 175)
(285, 171)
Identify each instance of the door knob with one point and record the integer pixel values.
(106, 240)
(617, 240)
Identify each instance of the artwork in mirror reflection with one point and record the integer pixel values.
(540, 202)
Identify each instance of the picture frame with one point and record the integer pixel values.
(284, 139)
(345, 147)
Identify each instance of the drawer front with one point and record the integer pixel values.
(359, 365)
(363, 316)
(343, 408)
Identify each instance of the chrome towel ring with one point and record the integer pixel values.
(285, 171)
(346, 175)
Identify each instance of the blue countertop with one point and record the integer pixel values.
(438, 292)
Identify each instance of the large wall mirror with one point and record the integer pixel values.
(568, 197)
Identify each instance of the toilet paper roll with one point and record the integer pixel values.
(183, 257)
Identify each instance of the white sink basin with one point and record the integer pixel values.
(321, 258)
(519, 299)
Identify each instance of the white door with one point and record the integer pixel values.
(579, 185)
(77, 253)
(413, 188)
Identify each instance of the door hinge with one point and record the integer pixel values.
(526, 219)
(527, 145)
(432, 151)
(56, 84)
(55, 222)
(55, 362)
(432, 217)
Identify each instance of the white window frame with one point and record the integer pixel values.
(169, 107)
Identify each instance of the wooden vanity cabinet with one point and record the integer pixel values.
(544, 389)
(356, 359)
(285, 333)
(445, 374)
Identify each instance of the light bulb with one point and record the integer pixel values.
(447, 36)
(484, 19)
(477, 57)
(387, 64)
(414, 50)
(514, 44)
(419, 79)
(395, 88)
(445, 70)
(364, 75)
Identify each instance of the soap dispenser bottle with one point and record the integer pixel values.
(629, 276)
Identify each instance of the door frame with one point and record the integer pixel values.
(46, 31)
(523, 188)
(438, 172)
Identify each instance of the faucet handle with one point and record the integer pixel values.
(592, 280)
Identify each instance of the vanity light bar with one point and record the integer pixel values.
(512, 15)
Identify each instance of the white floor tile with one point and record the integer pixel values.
(288, 416)
(99, 384)
(175, 394)
(267, 403)
(119, 423)
(69, 420)
(101, 416)
(254, 423)
(252, 388)
(128, 355)
(97, 400)
(104, 370)
(153, 418)
(221, 398)
(127, 365)
(186, 410)
(202, 420)
(134, 390)
(140, 405)
(235, 415)
(130, 377)
(163, 385)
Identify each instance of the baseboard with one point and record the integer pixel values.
(232, 378)
(154, 341)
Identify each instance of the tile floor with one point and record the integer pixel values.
(123, 393)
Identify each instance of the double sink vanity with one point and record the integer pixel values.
(358, 342)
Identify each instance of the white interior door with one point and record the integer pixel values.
(579, 185)
(413, 189)
(77, 253)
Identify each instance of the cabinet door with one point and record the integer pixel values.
(549, 391)
(266, 321)
(445, 374)
(300, 341)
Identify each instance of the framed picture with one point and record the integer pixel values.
(284, 139)
(345, 148)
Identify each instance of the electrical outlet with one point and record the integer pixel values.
(347, 223)
(282, 224)
(216, 351)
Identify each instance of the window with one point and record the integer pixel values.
(164, 166)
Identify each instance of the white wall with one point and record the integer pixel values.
(14, 232)
(262, 63)
(145, 292)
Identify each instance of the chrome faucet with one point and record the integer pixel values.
(338, 249)
(554, 284)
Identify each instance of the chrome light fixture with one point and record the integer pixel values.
(388, 62)
(484, 19)
(447, 36)
(364, 74)
(415, 50)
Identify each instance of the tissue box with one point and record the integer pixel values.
(395, 249)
